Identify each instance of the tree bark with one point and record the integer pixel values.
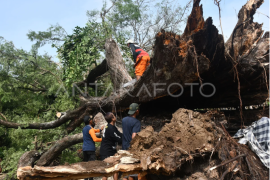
(195, 20)
(29, 158)
(76, 122)
(246, 32)
(57, 149)
(69, 115)
(101, 69)
(77, 171)
(200, 56)
(118, 72)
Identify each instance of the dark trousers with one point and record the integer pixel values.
(102, 157)
(89, 156)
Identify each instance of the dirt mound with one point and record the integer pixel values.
(188, 135)
(188, 130)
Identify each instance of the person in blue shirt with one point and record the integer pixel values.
(89, 139)
(131, 126)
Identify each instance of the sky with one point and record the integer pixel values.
(18, 17)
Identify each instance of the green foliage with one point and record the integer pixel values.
(140, 20)
(22, 72)
(123, 13)
(70, 155)
(54, 34)
(117, 20)
(1, 152)
(85, 46)
(97, 144)
(28, 84)
(80, 50)
(10, 163)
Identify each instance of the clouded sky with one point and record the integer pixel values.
(20, 16)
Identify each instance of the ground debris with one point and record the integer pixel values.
(177, 142)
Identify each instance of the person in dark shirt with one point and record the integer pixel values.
(110, 139)
(89, 139)
(131, 126)
(140, 58)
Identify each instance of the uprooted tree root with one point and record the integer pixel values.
(246, 164)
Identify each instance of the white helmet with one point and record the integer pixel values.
(130, 41)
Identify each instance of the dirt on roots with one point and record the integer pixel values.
(189, 132)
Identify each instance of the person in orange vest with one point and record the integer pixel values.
(140, 57)
(89, 139)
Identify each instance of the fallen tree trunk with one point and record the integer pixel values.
(199, 56)
(114, 63)
(118, 72)
(76, 171)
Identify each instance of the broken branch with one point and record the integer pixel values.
(233, 159)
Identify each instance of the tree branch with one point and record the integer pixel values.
(47, 125)
(35, 64)
(34, 90)
(48, 157)
(3, 116)
(224, 163)
(101, 69)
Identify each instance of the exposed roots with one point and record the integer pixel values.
(241, 161)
